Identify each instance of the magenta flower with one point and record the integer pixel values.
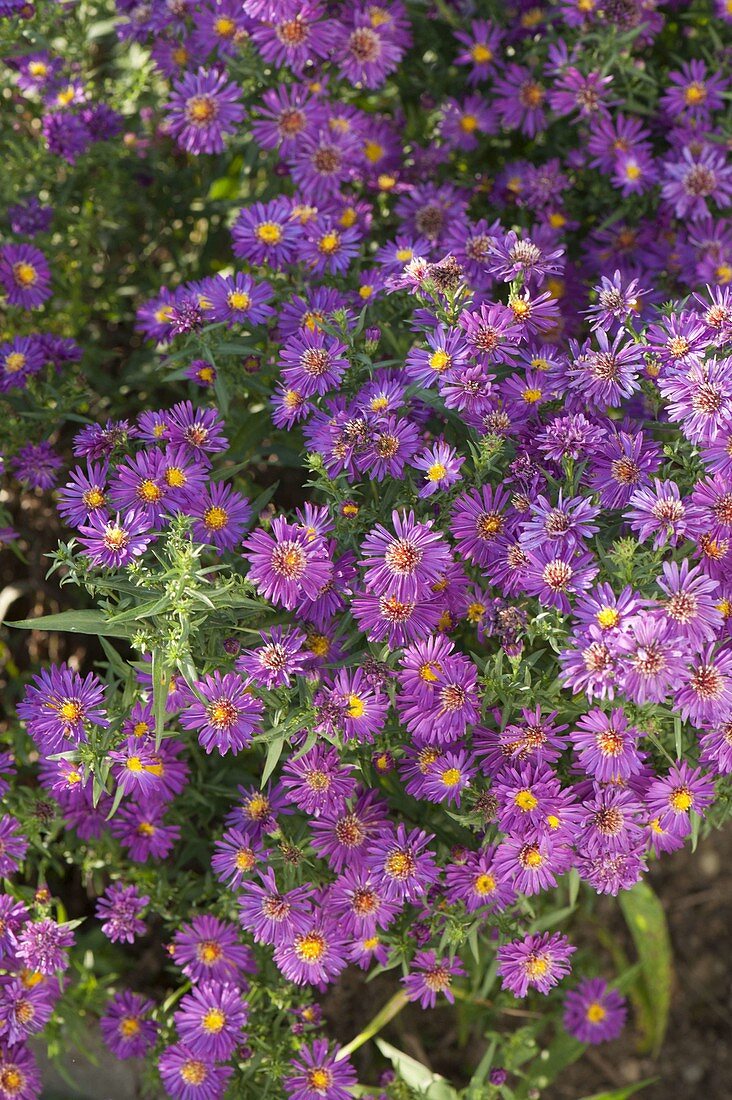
(536, 962)
(594, 1013)
(119, 909)
(430, 976)
(126, 1027)
(211, 1019)
(287, 563)
(319, 1074)
(223, 711)
(24, 275)
(202, 109)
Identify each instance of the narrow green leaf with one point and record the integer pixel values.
(646, 920)
(430, 1085)
(75, 622)
(624, 1093)
(273, 755)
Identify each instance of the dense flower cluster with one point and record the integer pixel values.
(486, 660)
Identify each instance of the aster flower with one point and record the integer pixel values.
(208, 949)
(296, 34)
(202, 109)
(345, 836)
(277, 660)
(315, 955)
(478, 883)
(221, 515)
(198, 430)
(237, 299)
(555, 572)
(113, 543)
(18, 1067)
(440, 465)
(210, 1020)
(658, 510)
(538, 962)
(430, 976)
(43, 946)
(223, 711)
(84, 494)
(235, 855)
(187, 1076)
(606, 746)
(319, 1074)
(673, 797)
(406, 563)
(142, 830)
(126, 1028)
(24, 1010)
(594, 1013)
(13, 915)
(313, 362)
(691, 602)
(287, 563)
(624, 464)
(609, 376)
(317, 781)
(24, 275)
(716, 746)
(519, 100)
(479, 517)
(512, 256)
(37, 465)
(59, 704)
(20, 358)
(13, 845)
(119, 909)
(366, 50)
(704, 696)
(402, 865)
(480, 49)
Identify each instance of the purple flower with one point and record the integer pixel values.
(236, 854)
(698, 177)
(59, 704)
(553, 573)
(119, 909)
(186, 1076)
(221, 515)
(440, 464)
(125, 1026)
(287, 563)
(365, 49)
(538, 962)
(606, 746)
(512, 256)
(277, 660)
(141, 829)
(658, 510)
(209, 949)
(202, 108)
(37, 465)
(345, 837)
(624, 464)
(13, 845)
(211, 1019)
(691, 602)
(25, 275)
(315, 955)
(402, 865)
(85, 494)
(406, 563)
(266, 233)
(314, 362)
(18, 1066)
(24, 1010)
(478, 883)
(237, 299)
(317, 782)
(594, 1013)
(114, 543)
(673, 797)
(43, 946)
(199, 430)
(705, 695)
(478, 518)
(429, 976)
(223, 711)
(319, 1074)
(653, 658)
(270, 915)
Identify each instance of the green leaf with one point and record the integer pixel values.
(160, 686)
(624, 1093)
(75, 622)
(646, 920)
(417, 1076)
(273, 754)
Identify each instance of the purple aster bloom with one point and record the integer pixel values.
(713, 497)
(406, 563)
(566, 525)
(266, 233)
(237, 299)
(257, 810)
(699, 177)
(366, 50)
(286, 112)
(440, 464)
(481, 45)
(13, 915)
(97, 441)
(126, 1028)
(360, 904)
(678, 340)
(537, 962)
(525, 796)
(387, 618)
(211, 1019)
(277, 660)
(202, 108)
(270, 915)
(84, 494)
(570, 436)
(624, 464)
(221, 28)
(295, 34)
(67, 135)
(609, 376)
(611, 872)
(430, 975)
(315, 955)
(138, 486)
(20, 358)
(119, 909)
(635, 172)
(691, 602)
(449, 776)
(223, 711)
(319, 1074)
(446, 351)
(659, 511)
(24, 1010)
(187, 1076)
(235, 855)
(181, 476)
(351, 707)
(519, 100)
(705, 695)
(693, 90)
(403, 866)
(617, 300)
(345, 837)
(208, 949)
(512, 256)
(491, 333)
(653, 658)
(141, 829)
(43, 946)
(573, 91)
(611, 823)
(532, 865)
(716, 746)
(672, 798)
(221, 516)
(463, 122)
(554, 572)
(478, 519)
(590, 664)
(58, 705)
(317, 782)
(25, 275)
(700, 400)
(18, 1066)
(322, 161)
(37, 465)
(477, 883)
(13, 845)
(134, 768)
(114, 543)
(313, 362)
(441, 709)
(606, 746)
(199, 430)
(594, 1013)
(287, 564)
(329, 247)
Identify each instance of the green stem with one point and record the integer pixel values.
(391, 1009)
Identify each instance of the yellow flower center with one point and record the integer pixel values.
(134, 764)
(194, 1072)
(224, 27)
(481, 53)
(128, 1027)
(531, 396)
(484, 884)
(439, 360)
(436, 472)
(595, 1013)
(213, 1021)
(25, 274)
(14, 362)
(468, 123)
(329, 243)
(451, 777)
(238, 299)
(608, 617)
(215, 518)
(356, 707)
(526, 801)
(373, 151)
(269, 233)
(404, 255)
